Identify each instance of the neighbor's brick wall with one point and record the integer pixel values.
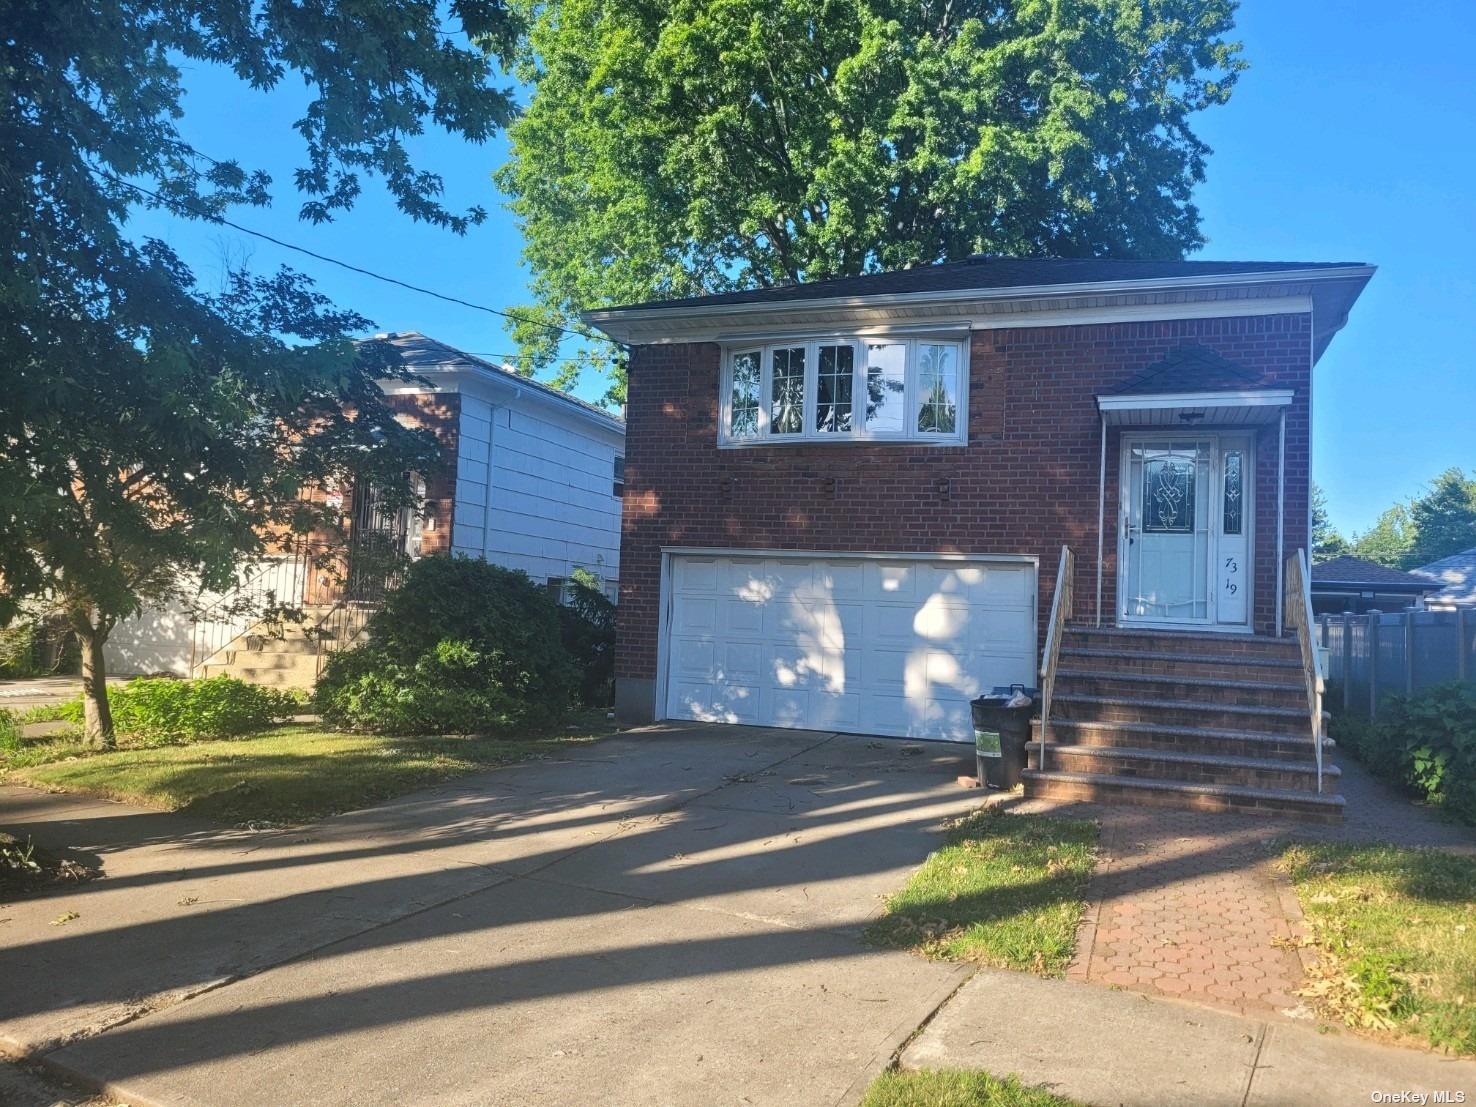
(440, 413)
(1025, 484)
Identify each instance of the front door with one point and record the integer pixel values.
(1184, 533)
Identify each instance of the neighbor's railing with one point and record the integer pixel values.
(277, 587)
(1060, 612)
(1299, 618)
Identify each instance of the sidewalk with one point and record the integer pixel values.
(1110, 1048)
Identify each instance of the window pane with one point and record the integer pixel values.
(1168, 495)
(836, 382)
(743, 405)
(1234, 500)
(937, 392)
(787, 393)
(886, 387)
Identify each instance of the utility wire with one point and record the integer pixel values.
(213, 218)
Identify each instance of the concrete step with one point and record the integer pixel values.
(1184, 713)
(1226, 798)
(1250, 666)
(1180, 641)
(1198, 768)
(269, 659)
(267, 678)
(1184, 739)
(1206, 690)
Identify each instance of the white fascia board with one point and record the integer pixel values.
(1162, 401)
(606, 319)
(499, 388)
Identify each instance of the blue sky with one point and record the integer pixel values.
(1351, 138)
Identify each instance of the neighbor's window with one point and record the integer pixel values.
(837, 389)
(619, 490)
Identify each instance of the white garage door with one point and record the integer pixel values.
(894, 646)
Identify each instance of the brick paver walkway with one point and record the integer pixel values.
(1188, 905)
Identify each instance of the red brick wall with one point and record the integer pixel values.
(440, 413)
(1025, 484)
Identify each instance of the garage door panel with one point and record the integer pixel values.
(894, 646)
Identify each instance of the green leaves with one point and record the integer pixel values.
(706, 145)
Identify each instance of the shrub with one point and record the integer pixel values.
(588, 625)
(460, 647)
(1426, 742)
(10, 735)
(159, 711)
(18, 650)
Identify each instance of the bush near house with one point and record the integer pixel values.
(461, 647)
(1425, 743)
(163, 711)
(587, 621)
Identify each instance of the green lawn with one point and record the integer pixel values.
(1396, 930)
(1004, 890)
(290, 774)
(956, 1088)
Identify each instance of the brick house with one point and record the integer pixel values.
(847, 500)
(530, 478)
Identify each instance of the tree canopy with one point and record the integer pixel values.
(1440, 521)
(151, 432)
(701, 146)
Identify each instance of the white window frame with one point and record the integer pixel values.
(808, 435)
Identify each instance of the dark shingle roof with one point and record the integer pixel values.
(991, 273)
(1354, 570)
(1190, 369)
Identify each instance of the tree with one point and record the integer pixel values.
(1388, 541)
(150, 431)
(680, 149)
(1443, 519)
(1327, 543)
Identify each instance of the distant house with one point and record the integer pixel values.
(531, 478)
(1352, 584)
(1455, 579)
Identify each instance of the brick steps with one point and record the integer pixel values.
(1206, 721)
(1227, 798)
(1207, 740)
(1170, 687)
(1201, 768)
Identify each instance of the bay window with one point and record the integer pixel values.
(871, 388)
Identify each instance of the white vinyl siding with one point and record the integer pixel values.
(534, 491)
(843, 389)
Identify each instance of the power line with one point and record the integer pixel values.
(213, 218)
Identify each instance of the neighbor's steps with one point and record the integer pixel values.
(1197, 720)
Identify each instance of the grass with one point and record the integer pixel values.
(287, 775)
(1004, 890)
(1396, 933)
(956, 1088)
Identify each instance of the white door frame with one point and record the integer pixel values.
(670, 553)
(1217, 436)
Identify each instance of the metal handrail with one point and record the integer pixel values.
(1060, 611)
(279, 583)
(1299, 616)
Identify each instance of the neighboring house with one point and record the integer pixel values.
(1352, 584)
(531, 479)
(1455, 581)
(847, 501)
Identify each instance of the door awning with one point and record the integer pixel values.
(1194, 409)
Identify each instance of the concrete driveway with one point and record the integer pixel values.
(670, 916)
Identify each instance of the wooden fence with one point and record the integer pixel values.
(1394, 653)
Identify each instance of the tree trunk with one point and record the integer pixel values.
(97, 716)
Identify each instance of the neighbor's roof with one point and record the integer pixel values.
(983, 272)
(1455, 576)
(424, 355)
(1366, 574)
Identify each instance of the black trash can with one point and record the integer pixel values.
(1000, 734)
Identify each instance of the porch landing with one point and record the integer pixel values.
(1196, 720)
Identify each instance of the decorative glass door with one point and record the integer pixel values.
(1185, 530)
